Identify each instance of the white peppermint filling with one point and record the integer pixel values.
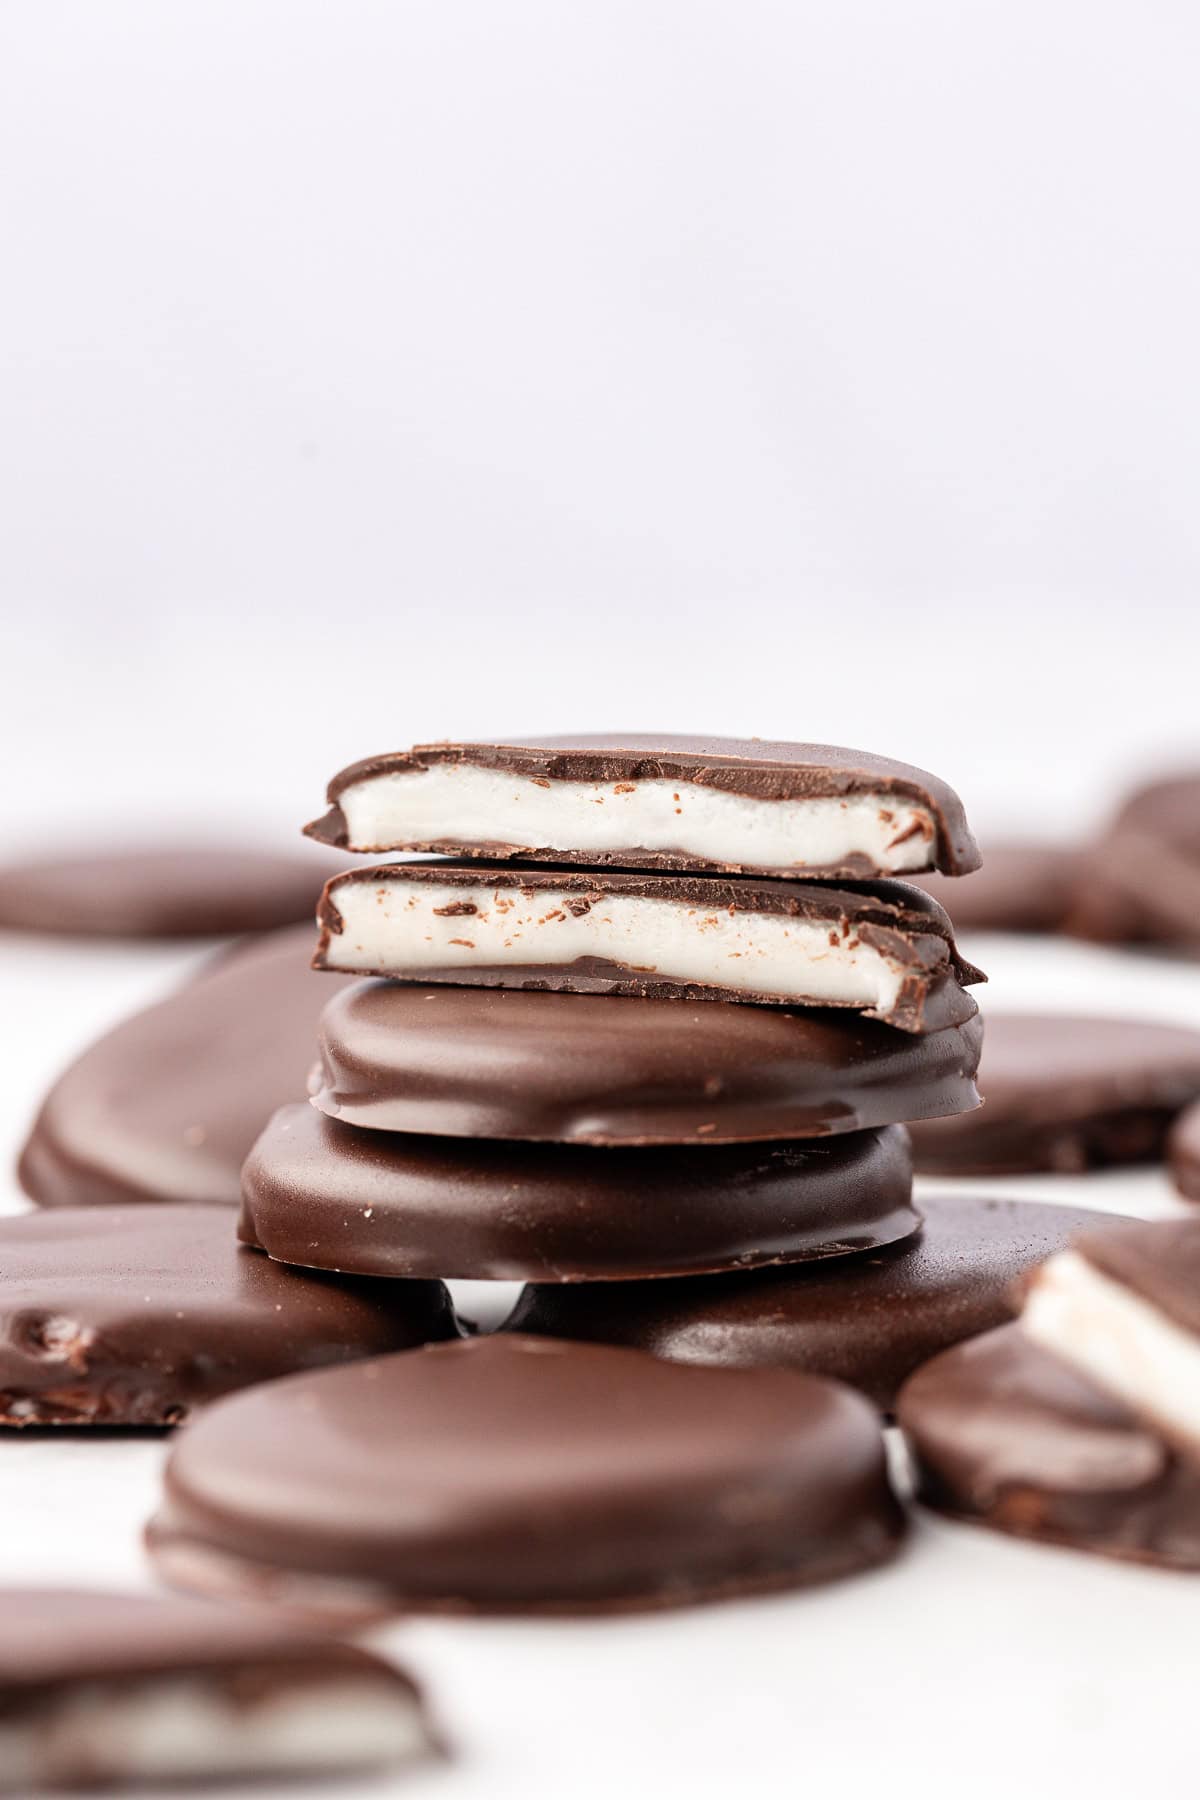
(402, 928)
(458, 803)
(1120, 1341)
(186, 1727)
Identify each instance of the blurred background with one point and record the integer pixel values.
(381, 371)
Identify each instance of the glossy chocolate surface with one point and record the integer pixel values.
(1067, 1094)
(755, 767)
(131, 1315)
(1009, 1436)
(527, 1475)
(167, 1104)
(373, 1203)
(868, 1320)
(594, 1069)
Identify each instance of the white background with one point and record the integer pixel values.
(378, 372)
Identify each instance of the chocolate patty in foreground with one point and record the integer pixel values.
(130, 1315)
(1123, 1308)
(525, 1475)
(1008, 1435)
(641, 800)
(123, 1690)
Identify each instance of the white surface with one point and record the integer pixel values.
(393, 925)
(456, 803)
(392, 370)
(972, 1664)
(379, 372)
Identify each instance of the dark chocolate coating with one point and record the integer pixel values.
(1007, 1435)
(382, 1203)
(1159, 1260)
(590, 1069)
(167, 1105)
(1067, 1094)
(53, 1637)
(1141, 882)
(901, 922)
(756, 767)
(867, 1320)
(1021, 887)
(128, 1315)
(60, 1647)
(521, 1474)
(168, 893)
(1183, 1153)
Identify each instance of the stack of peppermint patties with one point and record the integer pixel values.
(651, 1018)
(649, 1007)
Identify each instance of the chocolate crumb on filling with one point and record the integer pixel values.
(881, 948)
(665, 802)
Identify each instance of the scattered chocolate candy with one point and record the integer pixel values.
(167, 1105)
(869, 1320)
(1142, 877)
(1123, 1308)
(886, 951)
(1067, 1094)
(591, 1069)
(645, 801)
(1020, 887)
(521, 1474)
(122, 1690)
(1183, 1153)
(375, 1203)
(131, 1315)
(160, 893)
(1008, 1435)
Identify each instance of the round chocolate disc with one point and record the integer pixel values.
(1009, 1436)
(520, 1474)
(127, 1315)
(867, 1320)
(381, 1203)
(161, 893)
(593, 1069)
(1067, 1094)
(167, 1105)
(1141, 882)
(1183, 1153)
(1020, 887)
